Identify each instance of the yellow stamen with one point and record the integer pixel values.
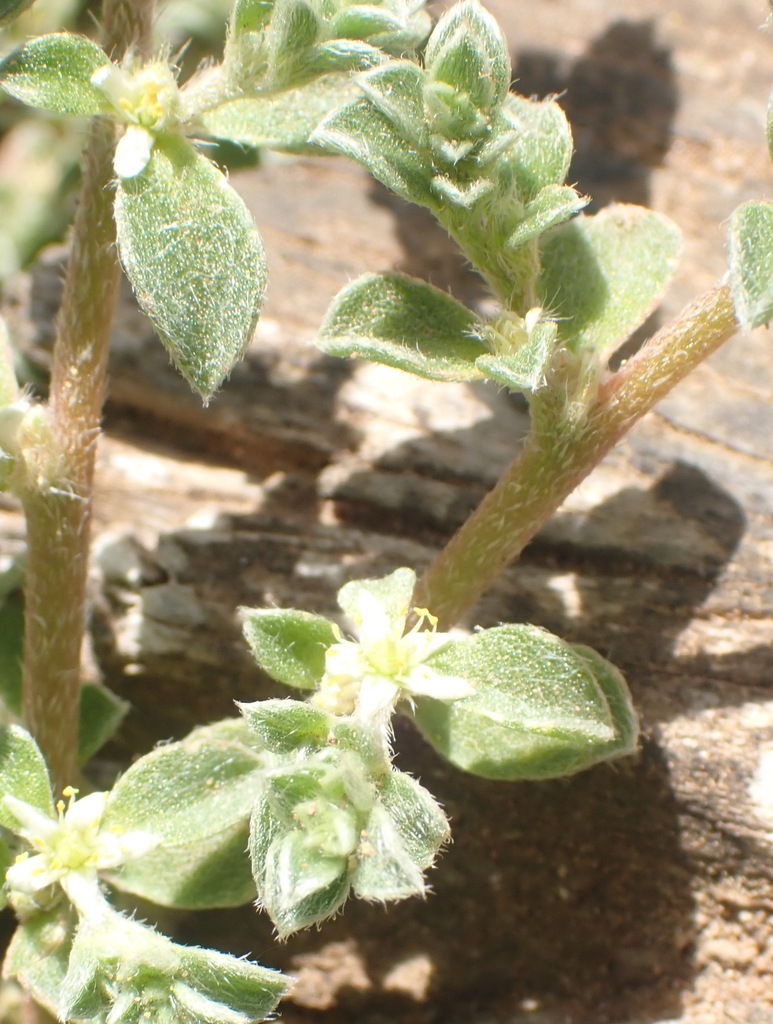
(425, 613)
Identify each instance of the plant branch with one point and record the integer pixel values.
(553, 463)
(58, 502)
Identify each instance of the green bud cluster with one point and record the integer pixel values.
(332, 818)
(451, 137)
(280, 44)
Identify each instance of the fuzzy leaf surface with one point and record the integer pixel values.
(541, 149)
(304, 833)
(124, 972)
(603, 275)
(54, 72)
(400, 840)
(289, 645)
(195, 796)
(525, 369)
(38, 955)
(551, 206)
(23, 774)
(542, 707)
(393, 593)
(405, 323)
(298, 883)
(283, 121)
(468, 52)
(386, 132)
(751, 262)
(283, 726)
(213, 872)
(194, 258)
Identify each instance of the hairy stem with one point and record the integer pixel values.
(57, 503)
(553, 463)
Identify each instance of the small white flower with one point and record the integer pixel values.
(366, 678)
(70, 849)
(147, 101)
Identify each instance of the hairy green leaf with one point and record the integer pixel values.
(195, 796)
(38, 955)
(361, 21)
(194, 258)
(385, 871)
(124, 972)
(391, 593)
(541, 148)
(602, 275)
(282, 121)
(406, 323)
(524, 367)
(23, 774)
(212, 872)
(343, 55)
(395, 90)
(542, 707)
(283, 726)
(400, 840)
(54, 73)
(551, 206)
(367, 135)
(188, 791)
(751, 262)
(468, 52)
(304, 829)
(289, 645)
(292, 32)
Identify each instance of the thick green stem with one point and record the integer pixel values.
(553, 463)
(58, 500)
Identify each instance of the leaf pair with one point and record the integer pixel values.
(600, 276)
(538, 706)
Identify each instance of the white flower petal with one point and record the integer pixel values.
(424, 682)
(35, 826)
(82, 889)
(133, 151)
(31, 874)
(87, 812)
(373, 621)
(377, 697)
(115, 849)
(114, 82)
